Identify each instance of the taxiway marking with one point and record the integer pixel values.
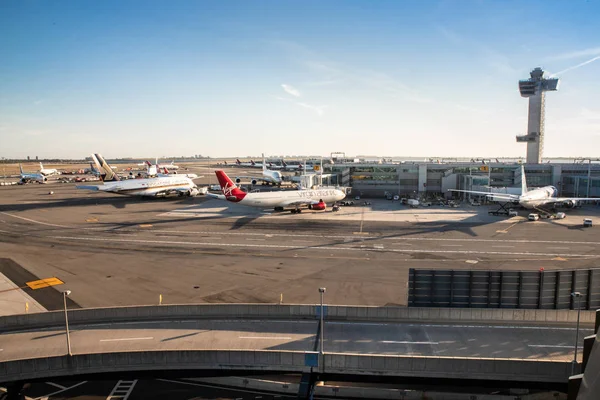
(316, 247)
(123, 339)
(550, 345)
(405, 342)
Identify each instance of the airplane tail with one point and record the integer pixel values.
(108, 175)
(523, 180)
(283, 163)
(229, 189)
(238, 162)
(252, 163)
(264, 164)
(41, 167)
(21, 169)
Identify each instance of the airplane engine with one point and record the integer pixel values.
(238, 180)
(570, 203)
(45, 179)
(193, 192)
(254, 181)
(319, 206)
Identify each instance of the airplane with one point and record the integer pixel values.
(268, 176)
(287, 166)
(166, 172)
(171, 166)
(238, 163)
(26, 178)
(149, 187)
(532, 199)
(48, 171)
(279, 200)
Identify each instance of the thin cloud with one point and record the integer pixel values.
(318, 109)
(594, 51)
(577, 66)
(290, 90)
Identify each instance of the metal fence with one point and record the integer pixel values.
(504, 289)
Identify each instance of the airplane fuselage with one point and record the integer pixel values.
(538, 197)
(150, 186)
(281, 199)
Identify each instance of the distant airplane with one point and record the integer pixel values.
(298, 167)
(171, 166)
(150, 187)
(532, 199)
(268, 176)
(279, 200)
(48, 171)
(26, 178)
(241, 164)
(164, 171)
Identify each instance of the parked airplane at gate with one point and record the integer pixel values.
(48, 171)
(298, 167)
(26, 178)
(268, 176)
(316, 199)
(535, 198)
(150, 187)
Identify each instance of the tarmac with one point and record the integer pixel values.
(114, 250)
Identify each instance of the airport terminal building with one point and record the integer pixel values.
(433, 180)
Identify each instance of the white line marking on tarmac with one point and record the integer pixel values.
(354, 237)
(33, 221)
(45, 397)
(508, 247)
(122, 339)
(405, 342)
(275, 246)
(267, 337)
(56, 385)
(550, 345)
(451, 245)
(256, 239)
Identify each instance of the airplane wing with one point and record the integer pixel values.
(510, 197)
(87, 187)
(216, 196)
(564, 199)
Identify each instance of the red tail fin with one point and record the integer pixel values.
(229, 189)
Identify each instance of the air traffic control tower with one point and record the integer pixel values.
(535, 88)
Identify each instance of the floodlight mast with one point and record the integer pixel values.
(535, 89)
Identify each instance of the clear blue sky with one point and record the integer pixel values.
(218, 78)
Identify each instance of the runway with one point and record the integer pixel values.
(111, 250)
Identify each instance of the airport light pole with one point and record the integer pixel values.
(65, 294)
(322, 292)
(576, 295)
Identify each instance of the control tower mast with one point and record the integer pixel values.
(535, 88)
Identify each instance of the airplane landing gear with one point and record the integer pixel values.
(278, 208)
(296, 210)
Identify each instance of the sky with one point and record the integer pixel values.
(233, 78)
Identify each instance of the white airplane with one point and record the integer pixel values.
(268, 176)
(279, 200)
(171, 166)
(26, 178)
(535, 198)
(164, 171)
(286, 166)
(48, 171)
(238, 163)
(150, 187)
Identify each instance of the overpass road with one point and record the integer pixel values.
(529, 341)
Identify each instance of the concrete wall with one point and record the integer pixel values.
(291, 311)
(285, 361)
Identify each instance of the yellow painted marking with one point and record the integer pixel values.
(42, 283)
(558, 259)
(91, 219)
(146, 226)
(360, 233)
(506, 230)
